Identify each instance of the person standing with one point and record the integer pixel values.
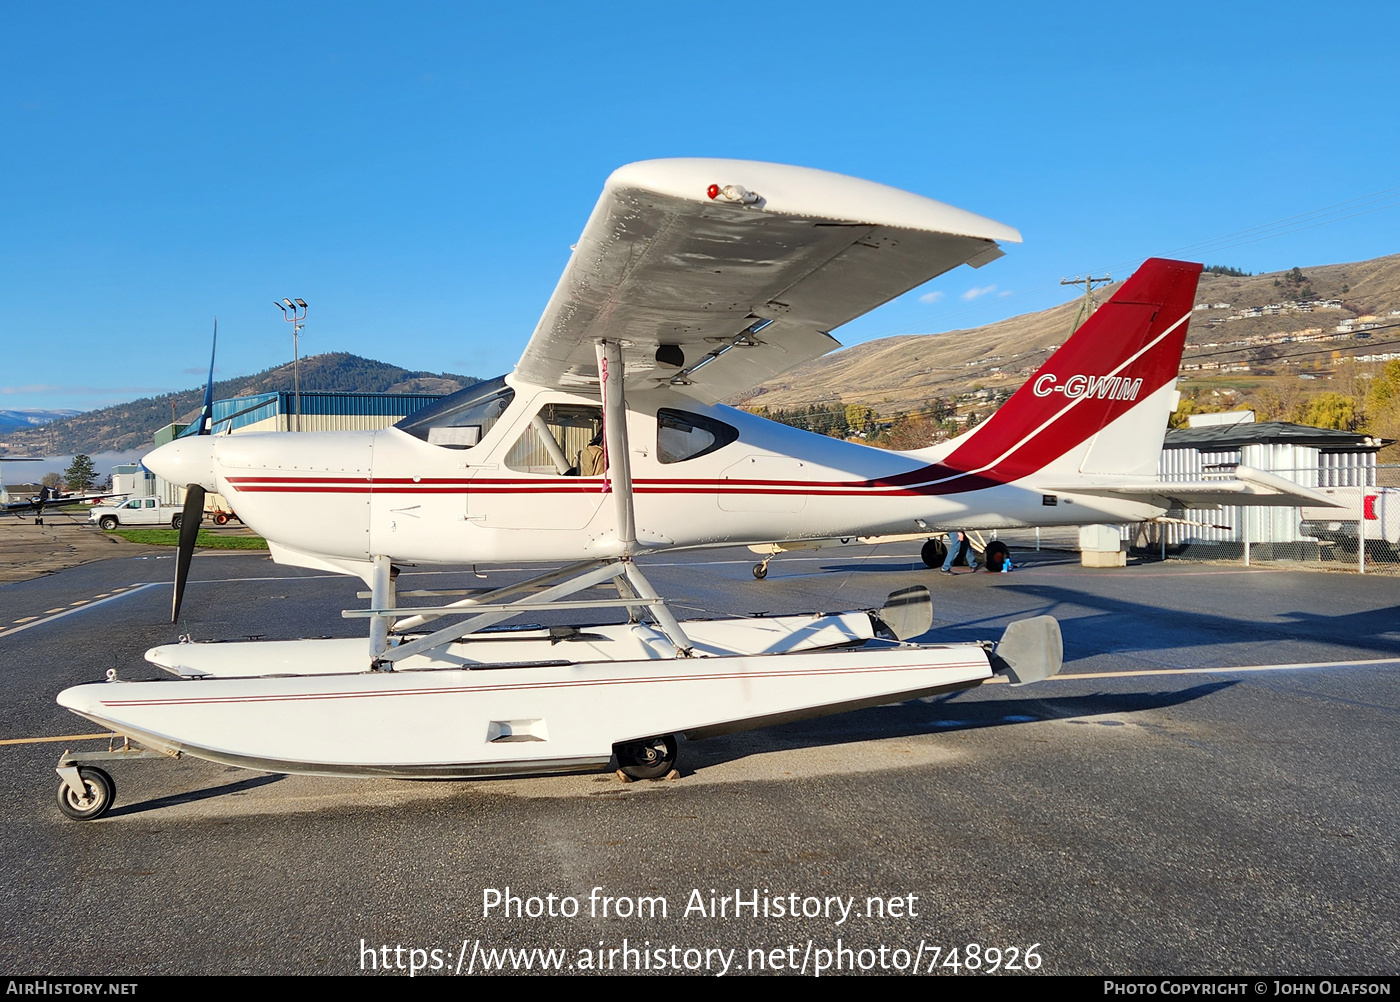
(958, 544)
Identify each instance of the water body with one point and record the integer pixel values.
(32, 473)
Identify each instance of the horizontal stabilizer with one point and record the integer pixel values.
(1030, 650)
(1249, 487)
(908, 613)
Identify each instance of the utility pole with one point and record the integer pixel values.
(1087, 307)
(289, 313)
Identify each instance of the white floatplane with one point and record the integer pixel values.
(693, 281)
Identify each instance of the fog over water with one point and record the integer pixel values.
(32, 473)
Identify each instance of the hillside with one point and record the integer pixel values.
(131, 425)
(901, 374)
(891, 375)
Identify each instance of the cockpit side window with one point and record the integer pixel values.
(464, 418)
(562, 440)
(681, 435)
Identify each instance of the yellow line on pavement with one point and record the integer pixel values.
(61, 737)
(60, 612)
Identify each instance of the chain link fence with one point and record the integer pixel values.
(1362, 535)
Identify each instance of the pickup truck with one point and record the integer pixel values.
(137, 511)
(1378, 508)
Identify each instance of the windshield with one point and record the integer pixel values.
(464, 418)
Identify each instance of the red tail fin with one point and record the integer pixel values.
(1125, 353)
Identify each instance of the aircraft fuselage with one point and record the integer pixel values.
(509, 497)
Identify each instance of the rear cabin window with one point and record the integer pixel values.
(462, 419)
(681, 435)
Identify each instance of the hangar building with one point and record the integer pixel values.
(320, 411)
(1313, 457)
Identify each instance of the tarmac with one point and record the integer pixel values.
(28, 550)
(1209, 787)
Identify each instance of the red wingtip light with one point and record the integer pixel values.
(712, 191)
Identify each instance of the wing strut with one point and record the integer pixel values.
(491, 613)
(619, 479)
(619, 457)
(635, 590)
(381, 597)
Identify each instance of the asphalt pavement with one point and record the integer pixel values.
(1217, 797)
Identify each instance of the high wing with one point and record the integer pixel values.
(718, 274)
(1249, 486)
(45, 500)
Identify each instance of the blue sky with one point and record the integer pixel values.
(417, 172)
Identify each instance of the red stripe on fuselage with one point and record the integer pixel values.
(525, 487)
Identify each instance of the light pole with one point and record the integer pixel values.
(289, 310)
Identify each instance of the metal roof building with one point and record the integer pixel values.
(277, 411)
(1312, 457)
(320, 411)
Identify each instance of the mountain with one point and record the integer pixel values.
(28, 417)
(131, 425)
(900, 374)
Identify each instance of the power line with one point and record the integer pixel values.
(1375, 201)
(1086, 308)
(1295, 354)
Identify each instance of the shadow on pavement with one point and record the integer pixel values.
(194, 796)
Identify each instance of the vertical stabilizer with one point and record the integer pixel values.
(1100, 403)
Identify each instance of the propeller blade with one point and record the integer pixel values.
(205, 424)
(190, 519)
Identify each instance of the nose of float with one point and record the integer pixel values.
(185, 461)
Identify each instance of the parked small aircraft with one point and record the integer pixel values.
(693, 281)
(48, 497)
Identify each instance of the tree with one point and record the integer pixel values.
(860, 419)
(80, 474)
(939, 409)
(1179, 418)
(912, 433)
(1384, 392)
(52, 480)
(1331, 410)
(1281, 401)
